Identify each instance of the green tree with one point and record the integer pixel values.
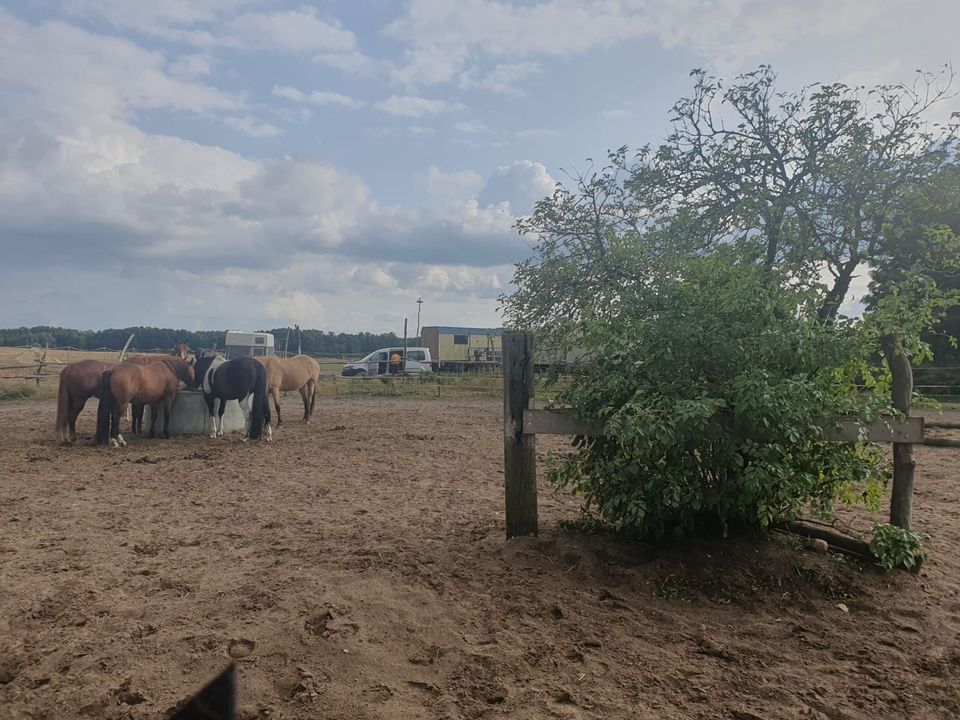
(704, 279)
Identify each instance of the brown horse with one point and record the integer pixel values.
(153, 384)
(80, 381)
(297, 373)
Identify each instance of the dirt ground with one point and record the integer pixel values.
(356, 568)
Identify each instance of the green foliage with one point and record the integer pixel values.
(705, 280)
(713, 389)
(895, 547)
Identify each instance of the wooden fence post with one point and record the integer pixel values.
(519, 449)
(901, 499)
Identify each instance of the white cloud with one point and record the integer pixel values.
(315, 97)
(297, 308)
(502, 79)
(415, 107)
(443, 38)
(190, 67)
(521, 185)
(471, 127)
(80, 72)
(296, 31)
(453, 184)
(532, 133)
(252, 127)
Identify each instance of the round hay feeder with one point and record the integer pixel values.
(189, 415)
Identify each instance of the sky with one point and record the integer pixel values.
(257, 163)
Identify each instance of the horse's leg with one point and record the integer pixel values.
(167, 404)
(275, 391)
(313, 399)
(247, 416)
(116, 439)
(208, 399)
(72, 414)
(304, 390)
(154, 409)
(223, 406)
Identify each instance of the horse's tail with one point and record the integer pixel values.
(260, 411)
(105, 409)
(63, 406)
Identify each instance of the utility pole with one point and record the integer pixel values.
(419, 306)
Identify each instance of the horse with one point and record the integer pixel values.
(81, 381)
(154, 383)
(237, 379)
(297, 373)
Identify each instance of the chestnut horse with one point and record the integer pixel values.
(80, 381)
(297, 373)
(153, 384)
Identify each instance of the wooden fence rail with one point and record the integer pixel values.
(522, 423)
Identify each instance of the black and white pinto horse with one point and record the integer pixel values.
(242, 379)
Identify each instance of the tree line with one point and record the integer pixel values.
(312, 342)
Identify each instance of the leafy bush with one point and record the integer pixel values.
(713, 386)
(895, 547)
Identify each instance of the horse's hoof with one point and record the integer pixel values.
(213, 436)
(121, 441)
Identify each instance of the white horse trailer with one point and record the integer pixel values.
(248, 344)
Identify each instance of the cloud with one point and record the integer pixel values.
(80, 72)
(471, 127)
(520, 184)
(415, 107)
(449, 40)
(252, 127)
(316, 97)
(455, 184)
(212, 24)
(294, 31)
(502, 79)
(532, 133)
(297, 308)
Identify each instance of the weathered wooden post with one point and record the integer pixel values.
(901, 390)
(519, 448)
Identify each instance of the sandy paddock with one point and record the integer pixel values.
(356, 568)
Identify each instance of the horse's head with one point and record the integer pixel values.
(181, 350)
(185, 374)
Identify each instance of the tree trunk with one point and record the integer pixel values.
(901, 500)
(836, 294)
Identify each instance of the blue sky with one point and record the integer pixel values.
(249, 163)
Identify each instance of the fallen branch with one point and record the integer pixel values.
(942, 442)
(846, 544)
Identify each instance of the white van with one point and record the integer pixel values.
(378, 363)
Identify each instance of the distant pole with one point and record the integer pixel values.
(286, 344)
(299, 341)
(125, 346)
(419, 306)
(404, 345)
